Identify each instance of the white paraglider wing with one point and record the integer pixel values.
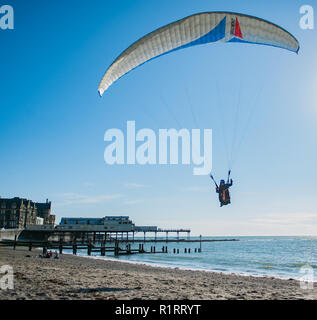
(195, 30)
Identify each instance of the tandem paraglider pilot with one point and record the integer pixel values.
(223, 190)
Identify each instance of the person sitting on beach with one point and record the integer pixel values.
(223, 191)
(56, 255)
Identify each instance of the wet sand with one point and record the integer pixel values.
(75, 278)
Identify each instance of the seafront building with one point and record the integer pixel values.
(19, 213)
(107, 223)
(28, 220)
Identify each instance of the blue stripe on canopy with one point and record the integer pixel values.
(214, 35)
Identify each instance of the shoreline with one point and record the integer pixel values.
(158, 265)
(79, 277)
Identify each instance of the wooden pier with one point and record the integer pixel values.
(157, 231)
(97, 235)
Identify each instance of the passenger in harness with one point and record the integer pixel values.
(224, 194)
(223, 190)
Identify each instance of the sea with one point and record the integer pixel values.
(280, 257)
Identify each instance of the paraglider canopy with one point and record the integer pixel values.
(194, 30)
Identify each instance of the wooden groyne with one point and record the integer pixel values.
(89, 247)
(113, 246)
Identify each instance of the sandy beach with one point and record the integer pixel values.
(73, 277)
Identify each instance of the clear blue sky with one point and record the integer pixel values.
(52, 121)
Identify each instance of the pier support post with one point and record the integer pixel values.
(89, 248)
(103, 248)
(15, 242)
(74, 248)
(61, 246)
(141, 248)
(116, 248)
